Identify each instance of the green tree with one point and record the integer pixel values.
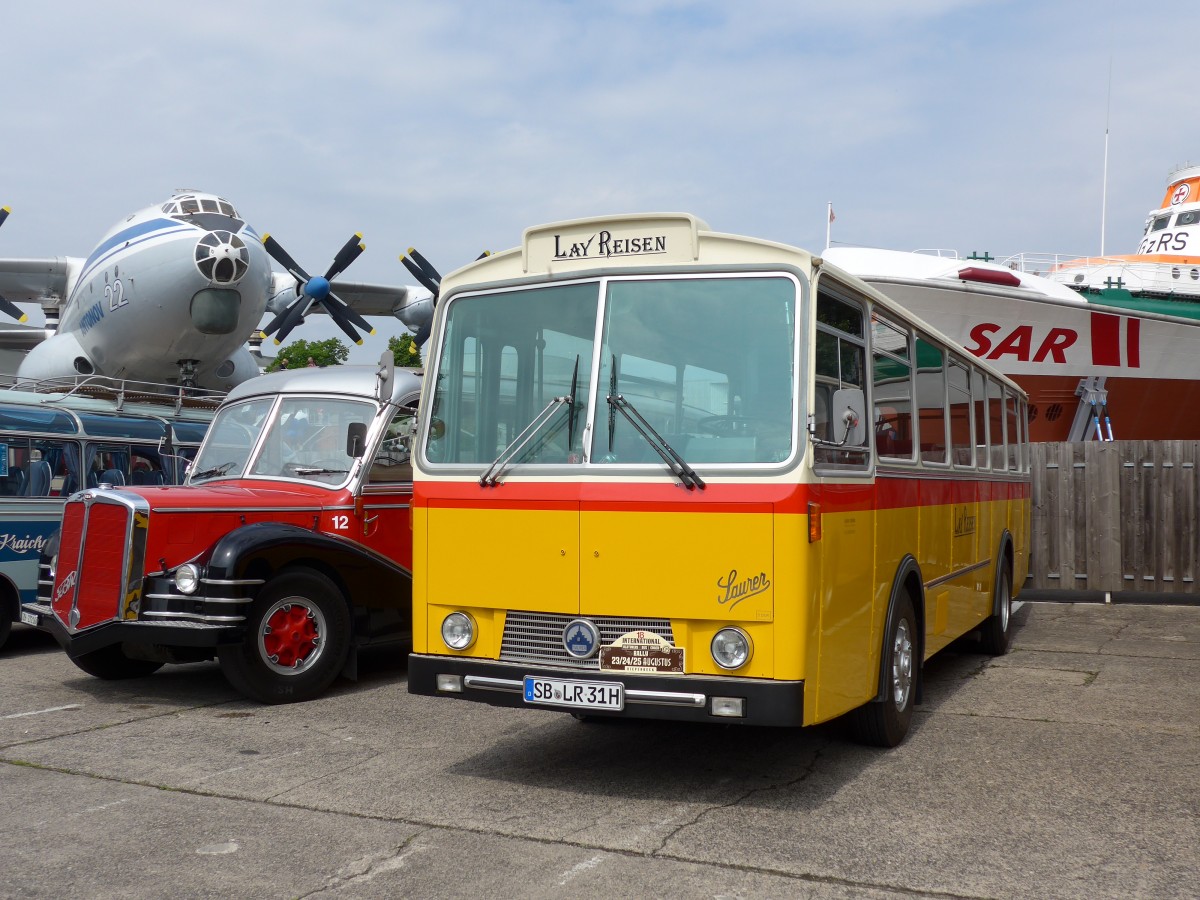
(330, 352)
(405, 351)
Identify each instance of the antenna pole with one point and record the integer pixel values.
(1104, 187)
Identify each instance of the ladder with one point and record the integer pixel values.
(1092, 421)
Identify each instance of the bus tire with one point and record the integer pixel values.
(297, 640)
(884, 723)
(10, 607)
(994, 632)
(111, 664)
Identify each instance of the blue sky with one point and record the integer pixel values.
(453, 125)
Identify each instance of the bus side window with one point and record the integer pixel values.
(393, 458)
(840, 363)
(146, 469)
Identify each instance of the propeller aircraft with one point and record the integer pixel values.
(173, 293)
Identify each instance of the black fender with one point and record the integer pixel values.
(908, 571)
(378, 590)
(1003, 557)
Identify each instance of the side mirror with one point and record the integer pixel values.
(849, 409)
(356, 439)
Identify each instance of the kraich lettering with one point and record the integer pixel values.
(21, 545)
(737, 591)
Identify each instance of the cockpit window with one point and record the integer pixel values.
(188, 205)
(1160, 222)
(1191, 217)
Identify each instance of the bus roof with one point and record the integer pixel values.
(107, 396)
(658, 242)
(359, 381)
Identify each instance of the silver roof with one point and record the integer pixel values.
(358, 381)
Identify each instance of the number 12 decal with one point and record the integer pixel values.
(341, 523)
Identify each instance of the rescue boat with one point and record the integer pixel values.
(1106, 347)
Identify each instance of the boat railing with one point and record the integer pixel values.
(118, 391)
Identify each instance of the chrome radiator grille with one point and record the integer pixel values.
(537, 637)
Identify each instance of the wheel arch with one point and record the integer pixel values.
(907, 580)
(1003, 558)
(10, 597)
(264, 550)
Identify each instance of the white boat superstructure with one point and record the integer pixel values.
(1104, 346)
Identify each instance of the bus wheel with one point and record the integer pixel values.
(993, 633)
(884, 723)
(297, 640)
(111, 664)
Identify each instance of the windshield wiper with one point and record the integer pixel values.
(215, 470)
(491, 477)
(674, 461)
(317, 470)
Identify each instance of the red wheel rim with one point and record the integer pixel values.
(291, 635)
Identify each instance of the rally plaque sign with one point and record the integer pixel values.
(641, 651)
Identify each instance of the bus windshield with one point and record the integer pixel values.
(706, 361)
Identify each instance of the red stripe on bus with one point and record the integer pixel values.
(884, 493)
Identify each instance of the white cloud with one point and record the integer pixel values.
(452, 126)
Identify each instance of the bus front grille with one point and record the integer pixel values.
(102, 547)
(533, 637)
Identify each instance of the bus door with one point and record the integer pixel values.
(966, 588)
(852, 598)
(384, 509)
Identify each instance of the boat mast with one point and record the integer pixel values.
(1104, 185)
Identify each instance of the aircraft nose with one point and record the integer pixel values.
(222, 257)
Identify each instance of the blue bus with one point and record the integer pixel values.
(74, 436)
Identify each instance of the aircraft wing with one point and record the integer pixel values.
(372, 299)
(41, 281)
(38, 280)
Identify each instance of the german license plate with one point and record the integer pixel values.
(29, 618)
(575, 694)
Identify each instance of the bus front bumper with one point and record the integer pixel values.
(688, 698)
(138, 633)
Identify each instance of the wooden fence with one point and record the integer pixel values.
(1115, 516)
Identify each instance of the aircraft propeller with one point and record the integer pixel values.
(316, 289)
(7, 306)
(425, 273)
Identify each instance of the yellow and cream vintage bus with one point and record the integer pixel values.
(670, 473)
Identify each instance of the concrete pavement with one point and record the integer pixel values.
(1068, 768)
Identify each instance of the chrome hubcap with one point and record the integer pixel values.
(902, 665)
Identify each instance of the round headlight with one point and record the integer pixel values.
(458, 631)
(187, 578)
(731, 648)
